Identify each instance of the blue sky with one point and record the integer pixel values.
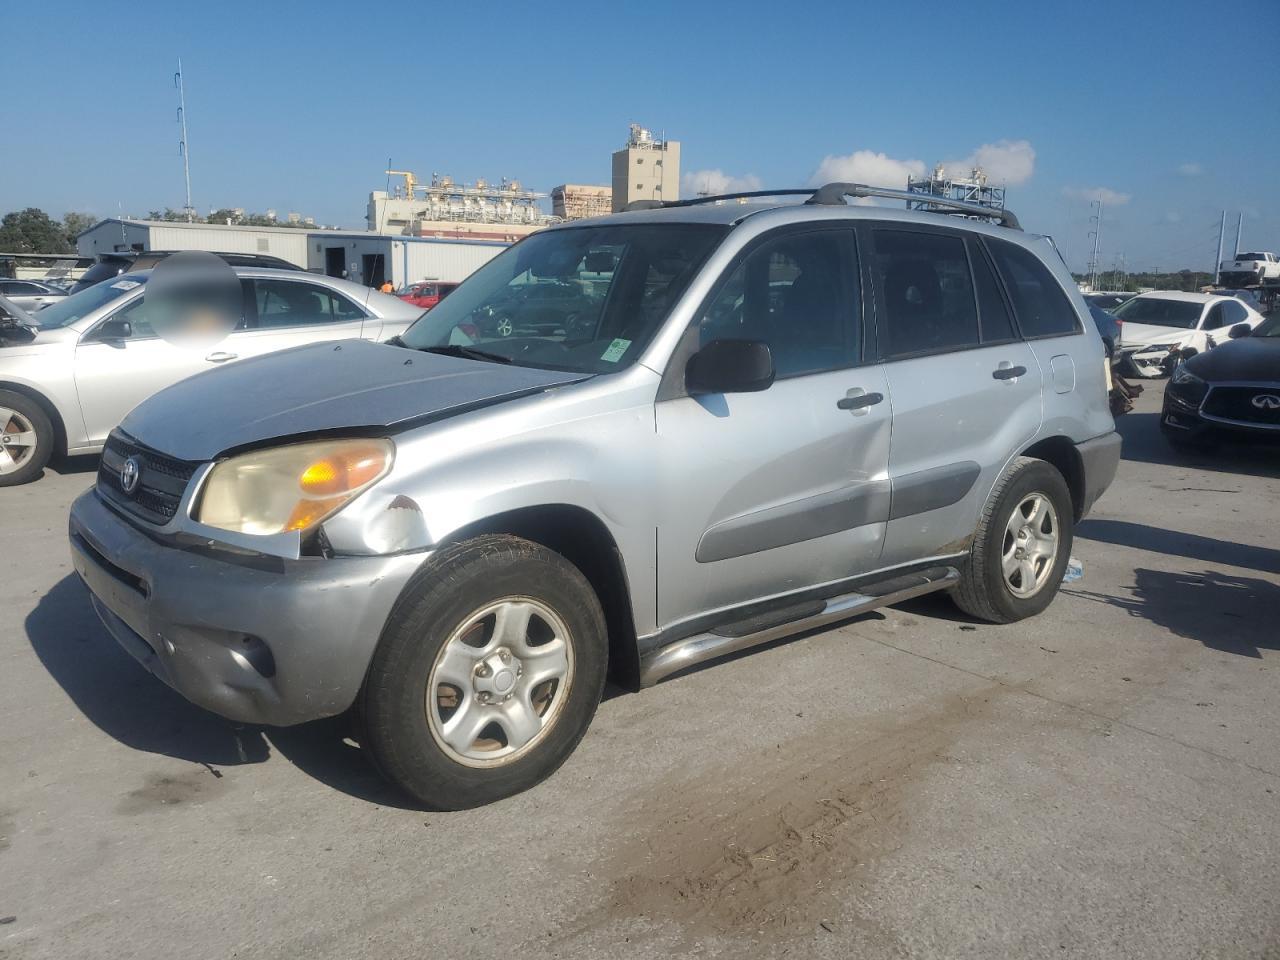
(1170, 112)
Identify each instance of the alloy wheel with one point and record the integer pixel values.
(1030, 546)
(18, 440)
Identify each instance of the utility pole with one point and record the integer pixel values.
(1095, 233)
(1217, 261)
(1239, 228)
(182, 144)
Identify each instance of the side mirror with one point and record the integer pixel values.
(730, 366)
(1239, 330)
(115, 330)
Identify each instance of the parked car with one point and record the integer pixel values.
(1108, 328)
(94, 355)
(1250, 269)
(111, 265)
(460, 534)
(31, 295)
(426, 293)
(1107, 301)
(540, 306)
(1232, 391)
(1247, 297)
(1156, 326)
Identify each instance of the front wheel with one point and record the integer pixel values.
(26, 439)
(487, 675)
(1021, 547)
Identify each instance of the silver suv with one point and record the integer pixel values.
(731, 422)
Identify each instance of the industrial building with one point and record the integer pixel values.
(446, 209)
(364, 256)
(974, 188)
(647, 168)
(576, 201)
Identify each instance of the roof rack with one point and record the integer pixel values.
(833, 194)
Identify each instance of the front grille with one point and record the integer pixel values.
(1237, 403)
(161, 479)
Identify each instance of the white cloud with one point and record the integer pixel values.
(1005, 162)
(716, 181)
(869, 167)
(1190, 169)
(1109, 197)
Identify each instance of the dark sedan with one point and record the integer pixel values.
(1231, 390)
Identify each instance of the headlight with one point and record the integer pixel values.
(292, 487)
(1184, 377)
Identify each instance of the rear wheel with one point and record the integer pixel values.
(26, 439)
(487, 675)
(1021, 547)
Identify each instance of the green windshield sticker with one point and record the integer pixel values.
(615, 350)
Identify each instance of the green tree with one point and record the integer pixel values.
(32, 231)
(74, 224)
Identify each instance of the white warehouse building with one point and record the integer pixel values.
(364, 256)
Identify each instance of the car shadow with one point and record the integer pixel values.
(1144, 443)
(1176, 543)
(66, 466)
(127, 703)
(1236, 615)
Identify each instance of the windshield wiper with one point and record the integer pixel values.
(471, 353)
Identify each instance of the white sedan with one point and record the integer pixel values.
(1155, 326)
(70, 373)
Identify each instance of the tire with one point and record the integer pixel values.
(407, 701)
(984, 591)
(26, 439)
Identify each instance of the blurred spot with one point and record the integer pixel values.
(194, 299)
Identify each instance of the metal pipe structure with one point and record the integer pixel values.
(182, 144)
(1239, 230)
(1217, 261)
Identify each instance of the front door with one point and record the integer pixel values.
(768, 493)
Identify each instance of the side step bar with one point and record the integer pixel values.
(731, 638)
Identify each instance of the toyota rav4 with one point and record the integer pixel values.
(755, 420)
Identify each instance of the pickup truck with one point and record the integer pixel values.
(1250, 269)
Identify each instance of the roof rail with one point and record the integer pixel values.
(714, 198)
(833, 194)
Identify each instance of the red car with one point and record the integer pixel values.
(426, 293)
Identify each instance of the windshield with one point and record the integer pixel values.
(584, 299)
(68, 310)
(1160, 312)
(1251, 256)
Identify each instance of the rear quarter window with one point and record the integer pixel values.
(1041, 307)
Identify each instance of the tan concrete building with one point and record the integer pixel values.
(447, 209)
(576, 201)
(645, 169)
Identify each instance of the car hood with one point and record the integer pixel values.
(322, 387)
(1146, 334)
(1249, 358)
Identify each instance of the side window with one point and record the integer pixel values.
(1236, 313)
(290, 303)
(927, 292)
(995, 323)
(1041, 307)
(20, 289)
(796, 293)
(1215, 318)
(136, 313)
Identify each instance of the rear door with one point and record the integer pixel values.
(767, 493)
(965, 388)
(289, 313)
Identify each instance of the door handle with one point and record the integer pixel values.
(1009, 373)
(221, 356)
(859, 401)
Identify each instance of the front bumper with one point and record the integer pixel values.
(255, 639)
(1192, 416)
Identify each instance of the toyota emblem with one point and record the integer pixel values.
(130, 472)
(1266, 401)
